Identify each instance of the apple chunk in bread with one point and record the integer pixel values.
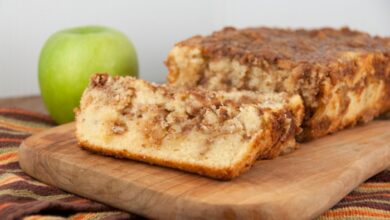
(216, 134)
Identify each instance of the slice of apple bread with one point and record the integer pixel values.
(212, 133)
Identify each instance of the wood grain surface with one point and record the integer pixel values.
(300, 185)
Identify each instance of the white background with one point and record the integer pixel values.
(154, 26)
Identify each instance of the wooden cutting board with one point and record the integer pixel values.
(301, 185)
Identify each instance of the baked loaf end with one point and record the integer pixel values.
(342, 75)
(217, 134)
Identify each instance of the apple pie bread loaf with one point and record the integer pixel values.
(342, 75)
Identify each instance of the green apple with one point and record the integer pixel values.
(70, 57)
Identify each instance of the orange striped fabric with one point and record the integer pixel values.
(22, 197)
(371, 200)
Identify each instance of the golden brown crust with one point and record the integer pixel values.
(253, 45)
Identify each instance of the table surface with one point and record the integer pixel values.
(32, 103)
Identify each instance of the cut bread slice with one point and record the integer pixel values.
(216, 134)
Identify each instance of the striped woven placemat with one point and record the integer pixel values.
(23, 197)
